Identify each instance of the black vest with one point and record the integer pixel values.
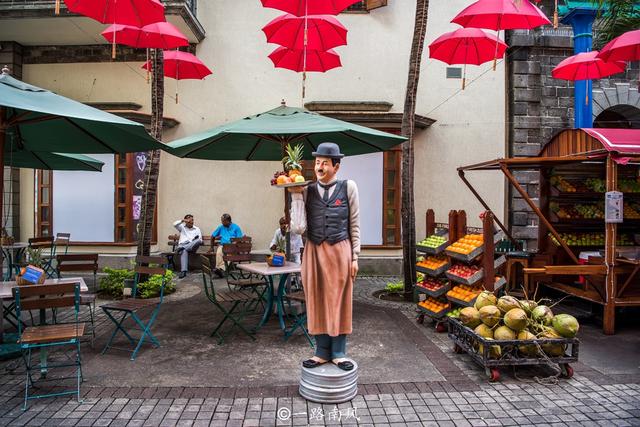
(328, 220)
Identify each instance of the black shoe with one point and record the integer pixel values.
(310, 363)
(345, 366)
(219, 273)
(182, 275)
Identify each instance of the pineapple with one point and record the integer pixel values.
(293, 160)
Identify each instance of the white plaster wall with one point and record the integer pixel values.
(469, 128)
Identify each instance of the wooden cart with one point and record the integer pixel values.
(576, 168)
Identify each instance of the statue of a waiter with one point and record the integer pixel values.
(328, 210)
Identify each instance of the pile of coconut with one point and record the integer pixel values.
(507, 318)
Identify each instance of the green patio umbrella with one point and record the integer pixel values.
(52, 161)
(264, 137)
(38, 120)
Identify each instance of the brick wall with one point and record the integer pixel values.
(540, 106)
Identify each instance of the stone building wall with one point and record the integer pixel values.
(540, 106)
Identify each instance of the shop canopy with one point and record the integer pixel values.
(575, 145)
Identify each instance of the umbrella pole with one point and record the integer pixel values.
(113, 44)
(304, 53)
(555, 15)
(148, 65)
(2, 141)
(57, 7)
(495, 53)
(464, 75)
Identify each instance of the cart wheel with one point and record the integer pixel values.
(441, 327)
(567, 370)
(420, 319)
(494, 375)
(457, 349)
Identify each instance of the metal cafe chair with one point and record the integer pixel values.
(234, 304)
(133, 306)
(45, 337)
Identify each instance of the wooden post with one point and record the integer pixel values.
(538, 212)
(489, 250)
(611, 230)
(2, 137)
(461, 226)
(431, 222)
(453, 226)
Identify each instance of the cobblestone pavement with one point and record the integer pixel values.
(464, 399)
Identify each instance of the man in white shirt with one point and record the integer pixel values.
(190, 240)
(280, 238)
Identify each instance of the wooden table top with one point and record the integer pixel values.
(267, 270)
(6, 287)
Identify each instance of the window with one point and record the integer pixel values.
(116, 194)
(391, 197)
(44, 212)
(454, 72)
(366, 5)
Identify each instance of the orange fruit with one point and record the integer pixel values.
(282, 179)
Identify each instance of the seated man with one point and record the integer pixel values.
(223, 235)
(189, 241)
(279, 241)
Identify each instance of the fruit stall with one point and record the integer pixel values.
(589, 215)
(456, 264)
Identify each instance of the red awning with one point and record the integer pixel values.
(623, 141)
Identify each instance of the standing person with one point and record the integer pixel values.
(280, 238)
(226, 231)
(329, 211)
(189, 241)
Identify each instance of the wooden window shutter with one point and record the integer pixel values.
(374, 4)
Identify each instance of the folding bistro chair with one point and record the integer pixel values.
(82, 262)
(296, 309)
(238, 252)
(41, 297)
(132, 306)
(45, 244)
(233, 304)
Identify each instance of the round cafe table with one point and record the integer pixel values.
(13, 254)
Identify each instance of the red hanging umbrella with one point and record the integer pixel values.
(128, 12)
(309, 7)
(294, 59)
(467, 46)
(181, 66)
(502, 15)
(625, 47)
(586, 66)
(159, 35)
(316, 32)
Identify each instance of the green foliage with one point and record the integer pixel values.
(34, 255)
(113, 284)
(395, 287)
(616, 17)
(151, 288)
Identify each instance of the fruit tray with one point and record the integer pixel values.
(432, 251)
(476, 252)
(461, 302)
(475, 278)
(293, 184)
(433, 273)
(443, 290)
(430, 313)
(472, 280)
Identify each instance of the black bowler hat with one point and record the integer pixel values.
(328, 149)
